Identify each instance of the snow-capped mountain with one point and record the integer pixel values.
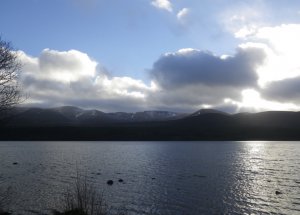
(208, 111)
(146, 116)
(70, 115)
(79, 115)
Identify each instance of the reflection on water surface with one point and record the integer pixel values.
(159, 177)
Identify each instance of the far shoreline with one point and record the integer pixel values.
(141, 133)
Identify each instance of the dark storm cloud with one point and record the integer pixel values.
(194, 78)
(287, 90)
(193, 67)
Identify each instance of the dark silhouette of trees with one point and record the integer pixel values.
(9, 72)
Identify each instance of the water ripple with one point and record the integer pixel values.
(159, 177)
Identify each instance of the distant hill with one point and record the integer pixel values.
(72, 123)
(207, 111)
(74, 116)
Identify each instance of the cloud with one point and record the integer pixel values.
(253, 101)
(185, 80)
(287, 90)
(73, 78)
(192, 67)
(191, 98)
(262, 74)
(282, 48)
(280, 41)
(182, 15)
(163, 4)
(243, 21)
(67, 66)
(279, 75)
(246, 31)
(194, 78)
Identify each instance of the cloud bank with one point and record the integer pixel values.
(192, 67)
(73, 78)
(262, 74)
(196, 78)
(184, 80)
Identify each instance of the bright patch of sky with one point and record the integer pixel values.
(119, 49)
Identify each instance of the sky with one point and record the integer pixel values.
(177, 55)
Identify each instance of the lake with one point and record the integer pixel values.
(159, 177)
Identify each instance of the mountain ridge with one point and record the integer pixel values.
(71, 115)
(70, 123)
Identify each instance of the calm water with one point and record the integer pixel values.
(159, 177)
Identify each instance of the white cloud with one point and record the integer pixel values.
(182, 14)
(163, 4)
(62, 66)
(279, 75)
(246, 31)
(281, 44)
(72, 78)
(66, 66)
(242, 21)
(122, 86)
(278, 72)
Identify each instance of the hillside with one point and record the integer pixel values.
(71, 123)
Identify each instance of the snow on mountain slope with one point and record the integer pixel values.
(70, 115)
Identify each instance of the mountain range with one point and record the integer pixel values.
(73, 123)
(74, 116)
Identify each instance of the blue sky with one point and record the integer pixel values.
(127, 36)
(135, 44)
